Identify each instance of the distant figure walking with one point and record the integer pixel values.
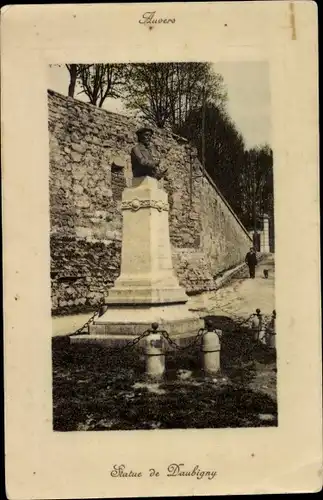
(251, 261)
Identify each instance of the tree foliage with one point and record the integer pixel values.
(165, 93)
(244, 177)
(96, 81)
(256, 184)
(220, 147)
(100, 81)
(189, 98)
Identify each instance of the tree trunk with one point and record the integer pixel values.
(73, 75)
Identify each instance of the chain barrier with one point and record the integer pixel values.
(240, 320)
(131, 343)
(174, 344)
(265, 328)
(266, 325)
(245, 321)
(89, 321)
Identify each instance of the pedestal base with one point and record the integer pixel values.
(119, 325)
(121, 340)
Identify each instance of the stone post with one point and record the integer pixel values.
(211, 348)
(261, 234)
(265, 235)
(154, 354)
(211, 351)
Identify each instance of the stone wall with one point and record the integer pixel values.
(89, 168)
(223, 238)
(81, 271)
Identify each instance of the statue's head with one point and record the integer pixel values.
(144, 135)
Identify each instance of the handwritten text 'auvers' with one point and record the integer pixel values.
(150, 18)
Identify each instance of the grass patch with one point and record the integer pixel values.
(96, 390)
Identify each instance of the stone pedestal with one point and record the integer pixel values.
(147, 289)
(264, 239)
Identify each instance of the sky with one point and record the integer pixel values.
(248, 90)
(248, 98)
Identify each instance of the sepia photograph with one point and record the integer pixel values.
(162, 246)
(162, 326)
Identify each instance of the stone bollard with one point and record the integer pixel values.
(154, 352)
(211, 348)
(271, 333)
(257, 324)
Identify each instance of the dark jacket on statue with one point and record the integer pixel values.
(251, 259)
(144, 161)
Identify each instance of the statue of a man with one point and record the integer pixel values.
(144, 156)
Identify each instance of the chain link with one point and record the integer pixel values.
(245, 321)
(89, 321)
(174, 344)
(240, 320)
(131, 343)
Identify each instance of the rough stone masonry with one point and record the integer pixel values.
(89, 168)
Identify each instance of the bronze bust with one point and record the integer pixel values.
(144, 156)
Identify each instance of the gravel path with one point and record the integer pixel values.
(242, 296)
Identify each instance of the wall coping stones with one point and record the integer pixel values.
(213, 184)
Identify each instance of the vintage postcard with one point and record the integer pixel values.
(161, 249)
